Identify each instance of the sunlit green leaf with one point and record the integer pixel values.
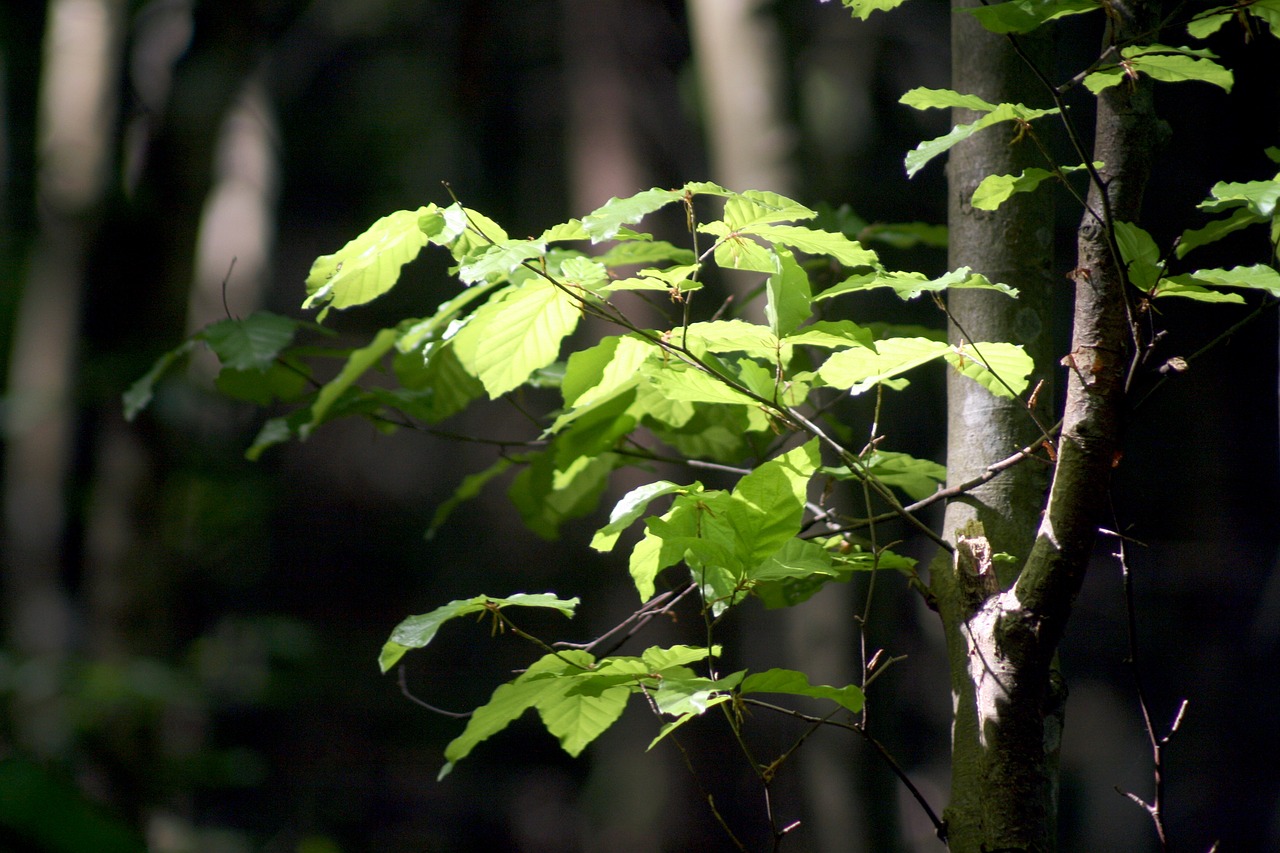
(756, 208)
(646, 252)
(862, 9)
(918, 478)
(1186, 287)
(797, 684)
(496, 262)
(357, 364)
(629, 509)
(1207, 23)
(416, 632)
(369, 265)
(814, 242)
(1259, 197)
(605, 222)
(1241, 217)
(677, 381)
(1164, 63)
(543, 686)
(1003, 369)
(1256, 277)
(516, 333)
(859, 369)
(909, 285)
(994, 114)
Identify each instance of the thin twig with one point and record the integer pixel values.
(939, 826)
(404, 688)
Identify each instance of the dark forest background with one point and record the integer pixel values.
(190, 639)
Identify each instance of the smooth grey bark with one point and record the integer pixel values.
(1003, 631)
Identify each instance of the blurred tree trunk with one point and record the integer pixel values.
(78, 105)
(613, 78)
(752, 145)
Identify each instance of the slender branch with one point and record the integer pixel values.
(939, 826)
(659, 605)
(1156, 806)
(404, 689)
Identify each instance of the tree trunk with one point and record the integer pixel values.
(78, 101)
(1003, 629)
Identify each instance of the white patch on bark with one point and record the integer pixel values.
(989, 671)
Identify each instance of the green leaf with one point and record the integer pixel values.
(923, 98)
(909, 285)
(677, 279)
(253, 343)
(417, 632)
(358, 363)
(369, 265)
(432, 388)
(736, 250)
(859, 369)
(495, 263)
(139, 394)
(768, 504)
(600, 371)
(543, 686)
(995, 190)
(1186, 287)
(1023, 16)
(628, 510)
(263, 387)
(547, 496)
(1259, 197)
(605, 222)
(995, 113)
(516, 333)
(1164, 63)
(469, 488)
(906, 235)
(795, 683)
(756, 208)
(815, 242)
(1241, 217)
(832, 335)
(862, 9)
(652, 554)
(721, 336)
(1256, 277)
(1003, 369)
(918, 478)
(1141, 255)
(646, 252)
(1209, 22)
(680, 382)
(797, 558)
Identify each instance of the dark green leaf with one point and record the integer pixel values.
(139, 394)
(252, 343)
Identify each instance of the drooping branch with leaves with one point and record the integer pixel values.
(760, 404)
